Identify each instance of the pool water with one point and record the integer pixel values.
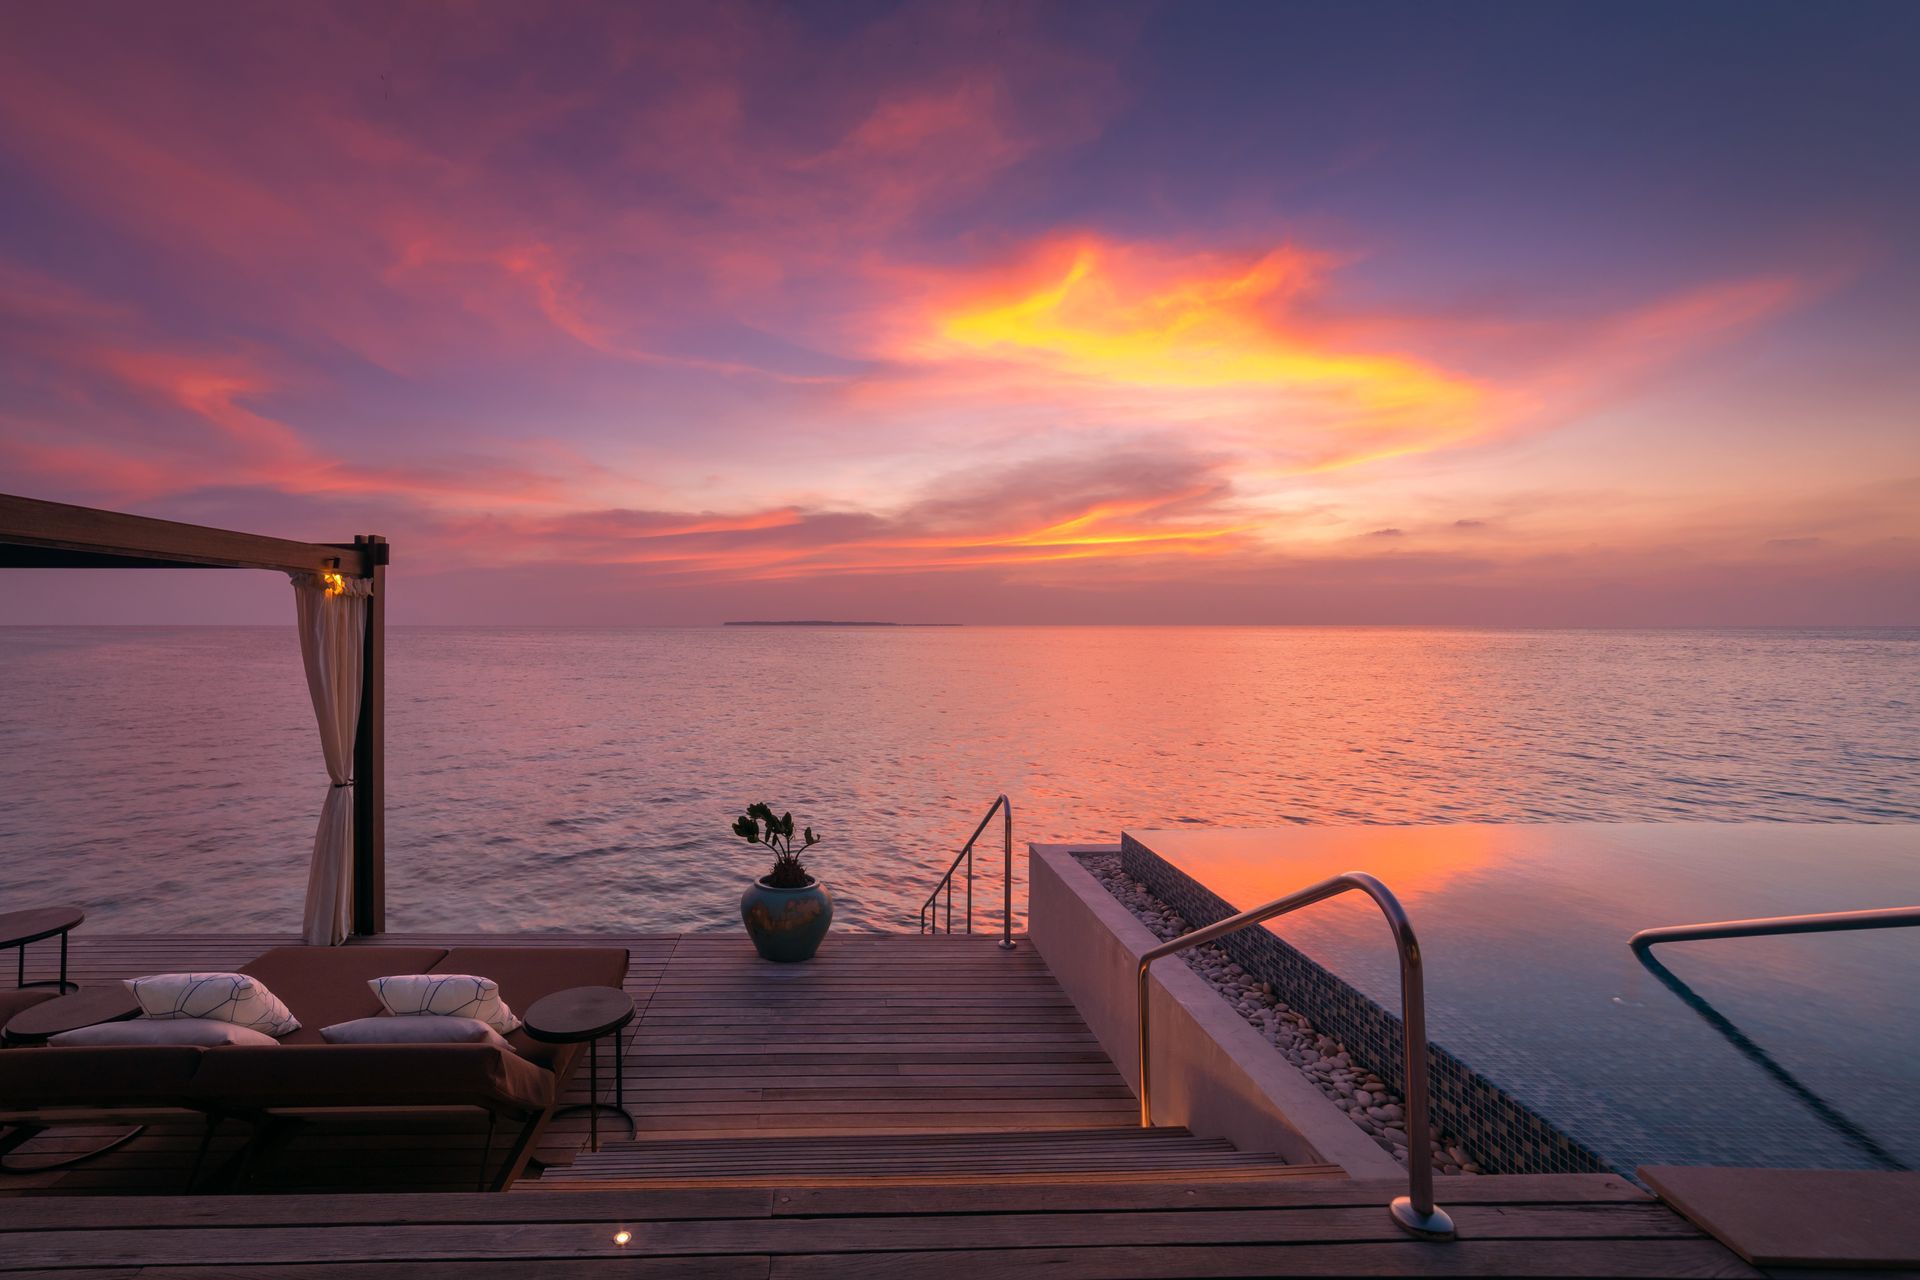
(1797, 1051)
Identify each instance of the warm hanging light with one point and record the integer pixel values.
(336, 584)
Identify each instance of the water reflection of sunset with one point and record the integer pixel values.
(1248, 868)
(1523, 930)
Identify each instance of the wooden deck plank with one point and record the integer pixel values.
(1526, 1189)
(1678, 1258)
(848, 1235)
(1801, 1217)
(370, 1210)
(708, 1267)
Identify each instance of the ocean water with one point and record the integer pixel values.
(168, 779)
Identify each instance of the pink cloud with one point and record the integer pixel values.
(690, 302)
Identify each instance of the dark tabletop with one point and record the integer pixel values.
(110, 1002)
(20, 927)
(578, 1013)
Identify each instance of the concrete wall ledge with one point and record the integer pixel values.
(1211, 1071)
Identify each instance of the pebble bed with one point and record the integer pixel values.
(1350, 1086)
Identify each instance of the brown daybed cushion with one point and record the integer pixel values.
(371, 1076)
(527, 973)
(325, 985)
(142, 1075)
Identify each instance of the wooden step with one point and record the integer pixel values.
(1128, 1154)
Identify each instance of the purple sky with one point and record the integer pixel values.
(1469, 313)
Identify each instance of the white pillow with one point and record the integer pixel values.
(200, 1031)
(446, 995)
(414, 1031)
(223, 997)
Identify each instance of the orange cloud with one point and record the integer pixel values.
(1219, 343)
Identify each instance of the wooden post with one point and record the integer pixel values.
(370, 756)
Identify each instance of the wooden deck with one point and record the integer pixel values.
(878, 1034)
(898, 1104)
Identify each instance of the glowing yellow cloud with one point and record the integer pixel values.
(1211, 336)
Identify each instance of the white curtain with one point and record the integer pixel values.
(332, 616)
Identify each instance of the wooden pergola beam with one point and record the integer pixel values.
(53, 535)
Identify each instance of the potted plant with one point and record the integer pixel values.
(786, 911)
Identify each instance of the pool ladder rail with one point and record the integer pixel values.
(930, 921)
(1415, 1212)
(1824, 922)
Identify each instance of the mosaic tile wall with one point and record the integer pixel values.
(1501, 1134)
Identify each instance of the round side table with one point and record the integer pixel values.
(35, 1026)
(69, 1013)
(18, 928)
(587, 1015)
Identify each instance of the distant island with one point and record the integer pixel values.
(827, 622)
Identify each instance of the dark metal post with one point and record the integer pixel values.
(593, 1093)
(370, 757)
(1006, 929)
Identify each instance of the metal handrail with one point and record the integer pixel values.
(1823, 922)
(1414, 1212)
(1004, 807)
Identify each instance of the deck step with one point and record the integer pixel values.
(1126, 1154)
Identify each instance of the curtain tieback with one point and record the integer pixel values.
(338, 785)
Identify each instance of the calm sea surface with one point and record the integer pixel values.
(169, 779)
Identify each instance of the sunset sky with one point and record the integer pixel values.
(1453, 313)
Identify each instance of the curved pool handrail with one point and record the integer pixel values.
(1414, 1212)
(1765, 926)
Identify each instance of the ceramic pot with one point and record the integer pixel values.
(786, 925)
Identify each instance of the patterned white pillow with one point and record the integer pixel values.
(223, 997)
(447, 995)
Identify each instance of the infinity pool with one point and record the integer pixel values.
(1785, 1051)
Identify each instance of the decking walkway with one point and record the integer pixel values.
(910, 1102)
